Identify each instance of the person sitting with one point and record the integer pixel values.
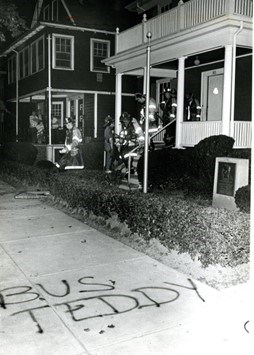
(72, 158)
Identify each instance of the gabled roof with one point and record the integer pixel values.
(99, 14)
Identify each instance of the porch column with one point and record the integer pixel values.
(144, 81)
(180, 102)
(227, 85)
(118, 102)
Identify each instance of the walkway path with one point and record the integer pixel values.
(67, 289)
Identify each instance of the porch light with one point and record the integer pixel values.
(196, 60)
(215, 91)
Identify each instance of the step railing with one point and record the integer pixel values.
(132, 152)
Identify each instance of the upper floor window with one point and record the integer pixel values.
(100, 50)
(37, 55)
(166, 7)
(12, 69)
(63, 52)
(24, 63)
(55, 10)
(46, 13)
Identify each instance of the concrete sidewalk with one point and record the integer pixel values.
(68, 289)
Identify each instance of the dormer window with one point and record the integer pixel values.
(46, 13)
(55, 10)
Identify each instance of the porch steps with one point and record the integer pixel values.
(132, 185)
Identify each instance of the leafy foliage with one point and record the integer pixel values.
(211, 235)
(10, 20)
(22, 152)
(242, 198)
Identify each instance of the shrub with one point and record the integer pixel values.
(204, 156)
(21, 152)
(242, 198)
(211, 235)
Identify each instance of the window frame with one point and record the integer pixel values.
(54, 17)
(46, 13)
(92, 42)
(12, 69)
(37, 67)
(71, 38)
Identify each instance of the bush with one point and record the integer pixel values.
(204, 156)
(242, 198)
(211, 235)
(166, 167)
(20, 152)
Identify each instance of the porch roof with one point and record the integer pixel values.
(202, 38)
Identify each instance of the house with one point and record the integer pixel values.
(198, 46)
(56, 67)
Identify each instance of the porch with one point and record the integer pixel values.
(194, 132)
(203, 37)
(183, 17)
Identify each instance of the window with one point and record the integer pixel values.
(24, 63)
(100, 50)
(63, 52)
(165, 7)
(37, 55)
(12, 69)
(55, 10)
(46, 13)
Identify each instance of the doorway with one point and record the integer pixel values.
(212, 95)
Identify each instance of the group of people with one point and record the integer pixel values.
(132, 130)
(131, 135)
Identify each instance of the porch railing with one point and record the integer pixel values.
(194, 132)
(184, 16)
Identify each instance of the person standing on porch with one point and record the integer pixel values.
(72, 158)
(108, 142)
(192, 110)
(169, 108)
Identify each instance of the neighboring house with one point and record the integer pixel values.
(56, 68)
(198, 46)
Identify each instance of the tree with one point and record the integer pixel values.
(10, 21)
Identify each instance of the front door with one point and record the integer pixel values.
(212, 95)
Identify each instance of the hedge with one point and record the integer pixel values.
(211, 235)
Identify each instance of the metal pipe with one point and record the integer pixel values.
(148, 54)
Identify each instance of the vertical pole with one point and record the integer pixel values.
(49, 88)
(227, 86)
(118, 102)
(148, 55)
(180, 102)
(17, 97)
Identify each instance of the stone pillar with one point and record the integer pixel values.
(180, 102)
(118, 102)
(227, 85)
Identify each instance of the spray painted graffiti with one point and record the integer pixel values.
(106, 301)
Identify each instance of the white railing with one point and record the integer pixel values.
(184, 16)
(242, 134)
(193, 132)
(244, 7)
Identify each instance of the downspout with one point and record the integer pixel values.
(233, 80)
(17, 95)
